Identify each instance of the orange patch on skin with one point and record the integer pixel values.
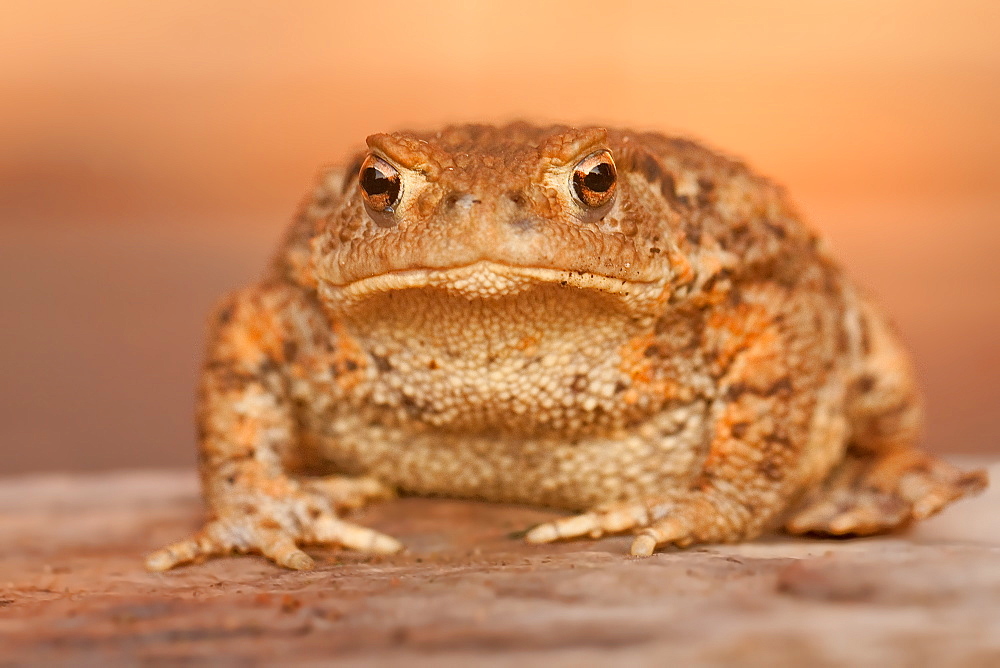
(528, 345)
(639, 365)
(745, 328)
(258, 335)
(724, 441)
(630, 397)
(348, 358)
(635, 364)
(245, 434)
(260, 481)
(277, 487)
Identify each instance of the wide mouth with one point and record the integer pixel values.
(486, 279)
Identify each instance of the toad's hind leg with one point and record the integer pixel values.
(884, 481)
(872, 493)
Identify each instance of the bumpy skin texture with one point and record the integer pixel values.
(686, 363)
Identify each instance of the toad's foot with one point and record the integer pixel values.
(681, 522)
(346, 492)
(275, 526)
(868, 495)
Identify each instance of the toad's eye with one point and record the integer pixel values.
(379, 183)
(595, 179)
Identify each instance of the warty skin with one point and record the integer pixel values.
(669, 352)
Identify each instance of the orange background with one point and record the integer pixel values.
(150, 154)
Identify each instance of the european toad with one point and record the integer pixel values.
(620, 324)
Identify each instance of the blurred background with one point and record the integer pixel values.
(151, 153)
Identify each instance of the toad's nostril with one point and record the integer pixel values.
(518, 198)
(461, 201)
(525, 224)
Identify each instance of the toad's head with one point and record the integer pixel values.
(489, 212)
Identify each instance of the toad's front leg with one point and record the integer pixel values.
(246, 422)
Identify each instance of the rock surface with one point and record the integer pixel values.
(73, 591)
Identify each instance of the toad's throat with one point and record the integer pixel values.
(543, 357)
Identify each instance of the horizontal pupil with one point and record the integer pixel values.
(600, 178)
(376, 183)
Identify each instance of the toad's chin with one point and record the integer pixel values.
(491, 280)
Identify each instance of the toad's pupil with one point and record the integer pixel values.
(375, 182)
(600, 178)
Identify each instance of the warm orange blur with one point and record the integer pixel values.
(150, 154)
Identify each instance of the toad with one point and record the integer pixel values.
(624, 325)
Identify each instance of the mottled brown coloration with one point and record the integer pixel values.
(679, 358)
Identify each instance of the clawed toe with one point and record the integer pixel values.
(199, 546)
(587, 524)
(331, 530)
(643, 545)
(615, 518)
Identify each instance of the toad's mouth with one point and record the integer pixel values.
(486, 279)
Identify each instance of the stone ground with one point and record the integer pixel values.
(469, 592)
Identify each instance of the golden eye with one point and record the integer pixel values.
(379, 183)
(595, 179)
